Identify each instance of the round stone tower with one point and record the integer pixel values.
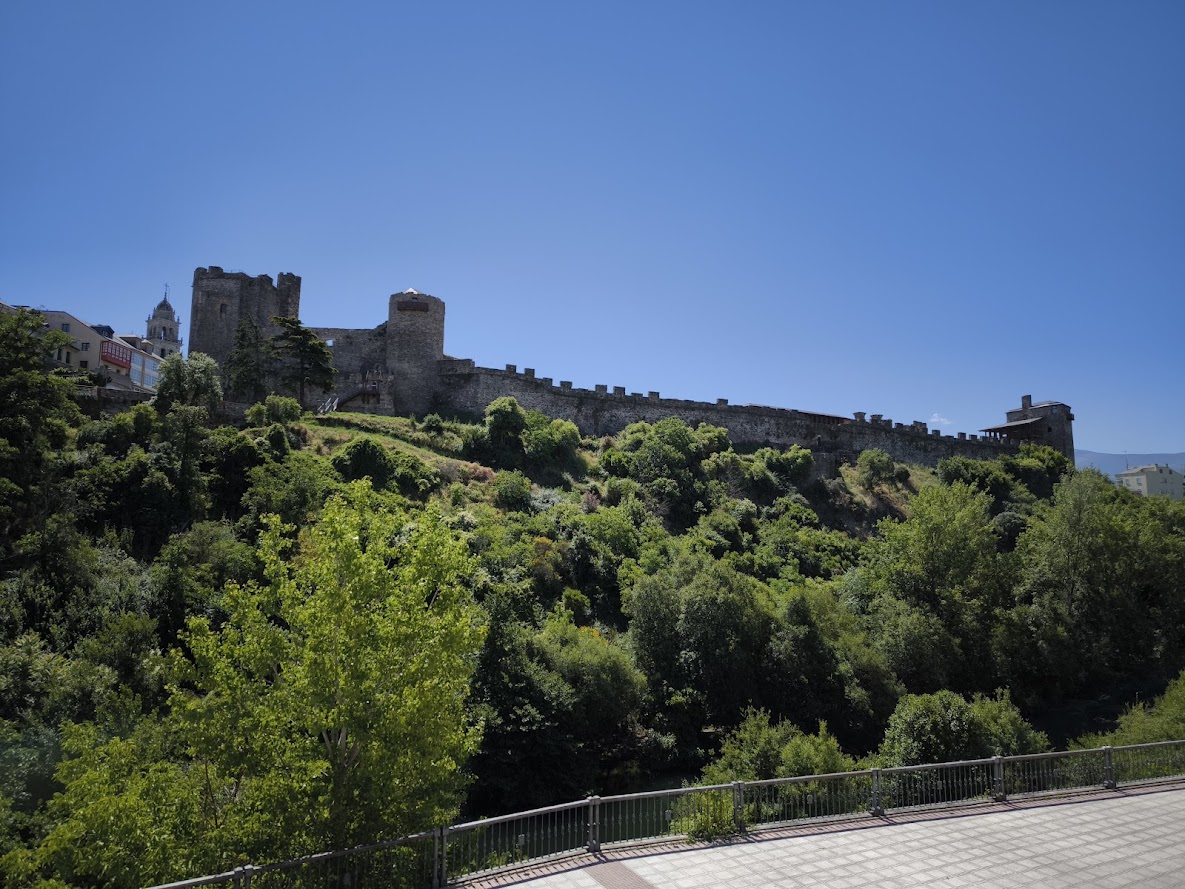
(415, 343)
(164, 330)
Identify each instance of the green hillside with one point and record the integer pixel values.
(240, 641)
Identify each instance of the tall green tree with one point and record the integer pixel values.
(327, 710)
(195, 382)
(250, 363)
(305, 361)
(35, 407)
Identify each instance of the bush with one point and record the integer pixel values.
(365, 458)
(283, 410)
(512, 491)
(875, 467)
(276, 409)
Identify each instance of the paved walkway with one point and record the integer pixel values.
(1129, 837)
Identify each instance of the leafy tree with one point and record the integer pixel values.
(875, 467)
(939, 574)
(606, 694)
(194, 382)
(305, 361)
(944, 727)
(35, 407)
(525, 708)
(326, 711)
(759, 749)
(117, 435)
(701, 630)
(988, 476)
(294, 489)
(1143, 723)
(277, 409)
(1099, 593)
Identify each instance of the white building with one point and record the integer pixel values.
(1157, 480)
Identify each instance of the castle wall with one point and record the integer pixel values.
(355, 351)
(467, 389)
(399, 367)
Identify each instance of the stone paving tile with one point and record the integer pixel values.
(1121, 839)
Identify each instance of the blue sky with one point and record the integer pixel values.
(922, 210)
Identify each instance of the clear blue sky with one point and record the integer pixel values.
(923, 210)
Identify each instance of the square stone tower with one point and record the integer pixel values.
(222, 299)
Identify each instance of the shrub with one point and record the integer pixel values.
(283, 410)
(365, 458)
(875, 467)
(512, 491)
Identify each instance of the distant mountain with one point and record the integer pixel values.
(1110, 464)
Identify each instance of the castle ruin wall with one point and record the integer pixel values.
(468, 389)
(399, 367)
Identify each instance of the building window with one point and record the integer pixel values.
(222, 310)
(86, 347)
(83, 364)
(65, 327)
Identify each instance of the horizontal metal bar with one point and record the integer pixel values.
(803, 779)
(1147, 745)
(673, 791)
(1056, 754)
(514, 816)
(198, 881)
(934, 766)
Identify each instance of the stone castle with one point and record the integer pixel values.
(399, 367)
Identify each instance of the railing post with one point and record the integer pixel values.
(874, 804)
(594, 832)
(237, 879)
(248, 870)
(999, 794)
(440, 865)
(1108, 769)
(738, 805)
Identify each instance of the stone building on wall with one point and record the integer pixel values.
(399, 367)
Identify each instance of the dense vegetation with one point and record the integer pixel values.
(221, 643)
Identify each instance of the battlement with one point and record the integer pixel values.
(401, 367)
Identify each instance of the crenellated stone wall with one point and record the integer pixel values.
(399, 367)
(603, 411)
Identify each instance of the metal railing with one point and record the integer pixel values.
(475, 848)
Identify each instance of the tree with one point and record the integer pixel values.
(195, 382)
(304, 359)
(875, 467)
(249, 364)
(759, 750)
(944, 727)
(327, 710)
(35, 407)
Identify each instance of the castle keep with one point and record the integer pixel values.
(399, 367)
